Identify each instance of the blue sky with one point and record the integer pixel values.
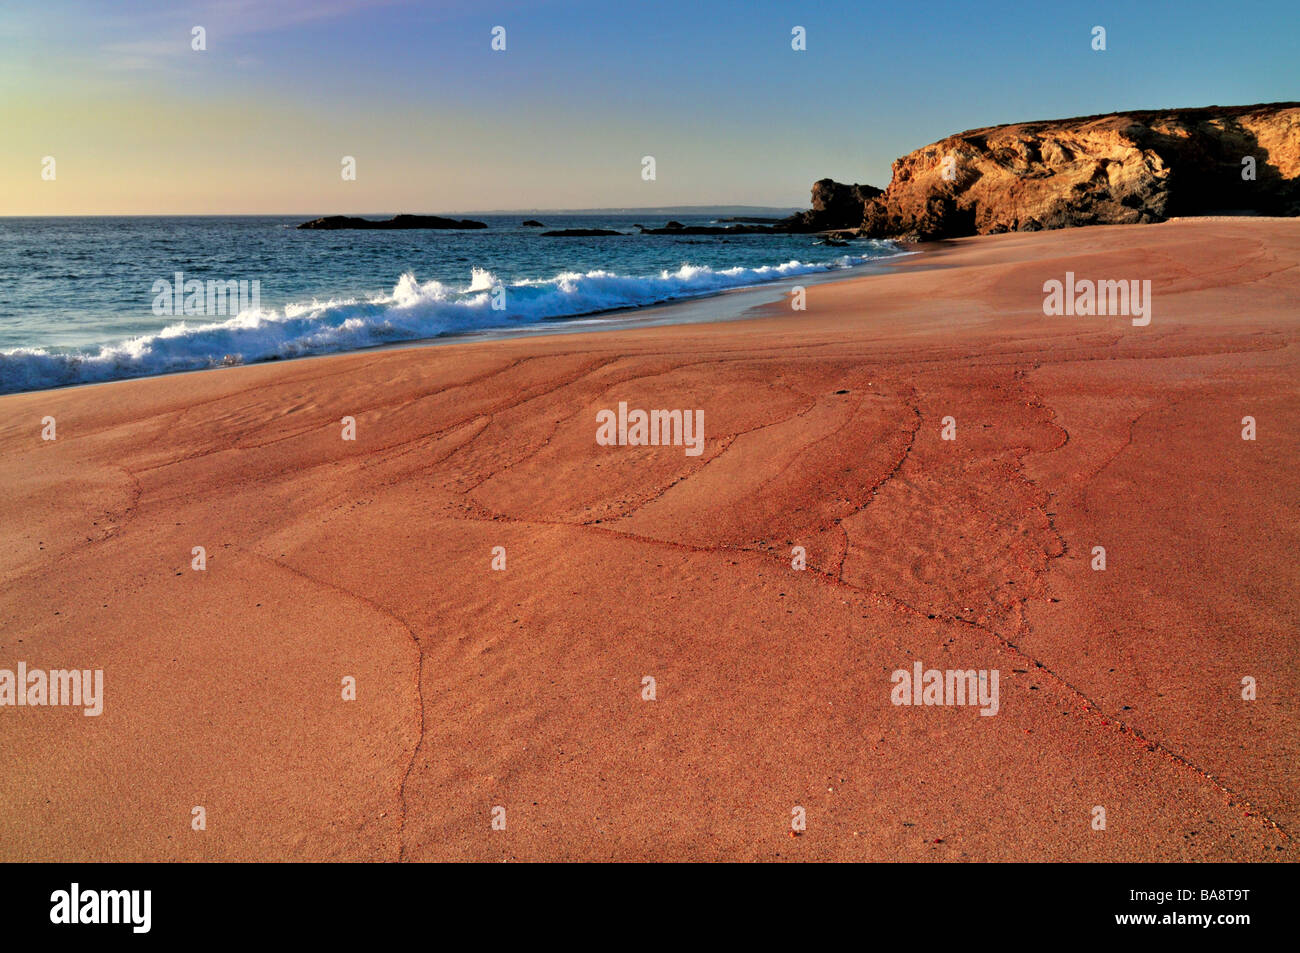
(139, 122)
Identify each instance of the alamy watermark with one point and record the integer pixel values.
(130, 907)
(946, 687)
(651, 428)
(1087, 298)
(193, 296)
(75, 688)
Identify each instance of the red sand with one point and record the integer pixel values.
(478, 688)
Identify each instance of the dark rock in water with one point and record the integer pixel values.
(832, 241)
(531, 223)
(1114, 169)
(677, 228)
(581, 233)
(834, 205)
(336, 222)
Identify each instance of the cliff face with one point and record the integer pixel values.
(1121, 168)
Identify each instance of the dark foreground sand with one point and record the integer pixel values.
(522, 689)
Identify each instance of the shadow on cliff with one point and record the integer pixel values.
(1208, 172)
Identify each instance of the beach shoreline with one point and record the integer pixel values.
(523, 687)
(729, 304)
(286, 295)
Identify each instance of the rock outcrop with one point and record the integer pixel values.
(335, 222)
(1120, 168)
(834, 205)
(677, 228)
(581, 233)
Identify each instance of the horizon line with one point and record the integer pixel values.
(522, 211)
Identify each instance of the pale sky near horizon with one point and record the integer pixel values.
(140, 123)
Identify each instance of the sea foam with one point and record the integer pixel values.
(412, 311)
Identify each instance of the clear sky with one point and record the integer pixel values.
(140, 123)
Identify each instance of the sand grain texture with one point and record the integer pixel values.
(522, 688)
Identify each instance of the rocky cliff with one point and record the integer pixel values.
(1120, 168)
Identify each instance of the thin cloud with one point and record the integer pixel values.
(223, 18)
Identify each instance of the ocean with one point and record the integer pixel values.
(92, 299)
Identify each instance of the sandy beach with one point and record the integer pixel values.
(480, 688)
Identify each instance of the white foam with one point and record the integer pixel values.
(412, 311)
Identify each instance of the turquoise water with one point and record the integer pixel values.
(80, 298)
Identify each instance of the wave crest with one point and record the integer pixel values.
(412, 311)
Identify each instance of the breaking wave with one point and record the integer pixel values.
(412, 311)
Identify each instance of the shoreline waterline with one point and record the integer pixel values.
(722, 304)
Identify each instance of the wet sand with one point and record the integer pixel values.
(523, 688)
